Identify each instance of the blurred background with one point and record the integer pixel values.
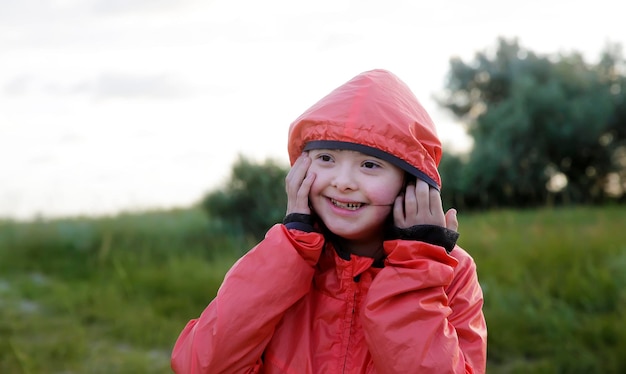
(126, 105)
(143, 150)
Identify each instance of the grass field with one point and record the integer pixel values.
(110, 295)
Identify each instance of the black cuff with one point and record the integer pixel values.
(431, 234)
(299, 221)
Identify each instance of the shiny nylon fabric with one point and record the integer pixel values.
(292, 305)
(375, 109)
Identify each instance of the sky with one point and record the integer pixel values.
(110, 106)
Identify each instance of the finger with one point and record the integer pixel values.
(298, 202)
(411, 206)
(452, 223)
(436, 207)
(297, 173)
(422, 197)
(435, 201)
(298, 170)
(305, 187)
(399, 219)
(298, 184)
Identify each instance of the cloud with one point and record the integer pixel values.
(107, 85)
(143, 6)
(18, 85)
(58, 9)
(112, 85)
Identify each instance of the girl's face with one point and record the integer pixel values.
(353, 193)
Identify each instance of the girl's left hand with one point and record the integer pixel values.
(421, 205)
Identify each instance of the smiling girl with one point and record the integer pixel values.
(364, 274)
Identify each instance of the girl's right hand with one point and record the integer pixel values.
(298, 184)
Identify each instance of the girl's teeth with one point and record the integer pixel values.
(350, 206)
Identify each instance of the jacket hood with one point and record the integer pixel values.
(377, 114)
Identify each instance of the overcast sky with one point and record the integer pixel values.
(110, 105)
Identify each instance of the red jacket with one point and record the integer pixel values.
(292, 305)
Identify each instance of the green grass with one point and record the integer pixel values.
(555, 288)
(110, 295)
(104, 295)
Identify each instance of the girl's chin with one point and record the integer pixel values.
(349, 233)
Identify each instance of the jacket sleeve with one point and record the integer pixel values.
(423, 312)
(232, 332)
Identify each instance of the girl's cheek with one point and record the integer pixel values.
(384, 196)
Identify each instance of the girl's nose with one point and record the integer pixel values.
(344, 180)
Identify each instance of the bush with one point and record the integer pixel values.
(252, 201)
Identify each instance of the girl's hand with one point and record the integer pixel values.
(298, 184)
(421, 205)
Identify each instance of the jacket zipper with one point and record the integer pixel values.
(355, 290)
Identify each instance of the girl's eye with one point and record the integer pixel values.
(324, 157)
(370, 165)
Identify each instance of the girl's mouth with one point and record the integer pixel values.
(349, 206)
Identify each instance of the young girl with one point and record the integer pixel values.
(363, 275)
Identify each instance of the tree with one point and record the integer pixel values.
(543, 126)
(253, 199)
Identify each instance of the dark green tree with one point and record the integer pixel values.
(544, 126)
(252, 200)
